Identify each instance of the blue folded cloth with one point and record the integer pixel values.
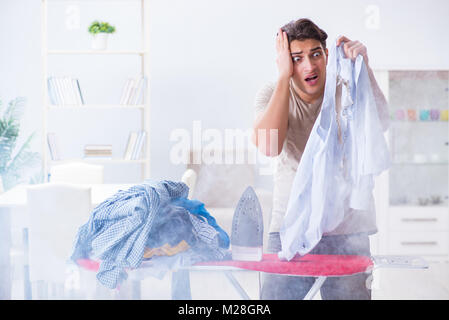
(197, 207)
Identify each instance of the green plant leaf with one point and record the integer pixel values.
(22, 159)
(97, 27)
(15, 108)
(12, 167)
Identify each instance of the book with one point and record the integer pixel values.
(51, 91)
(76, 91)
(53, 146)
(97, 150)
(62, 83)
(98, 147)
(69, 90)
(138, 88)
(130, 145)
(98, 157)
(64, 91)
(134, 151)
(138, 148)
(132, 92)
(125, 92)
(79, 92)
(95, 154)
(50, 147)
(58, 89)
(142, 91)
(72, 91)
(54, 90)
(129, 91)
(100, 152)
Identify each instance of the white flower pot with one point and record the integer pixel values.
(100, 41)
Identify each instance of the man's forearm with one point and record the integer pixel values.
(275, 117)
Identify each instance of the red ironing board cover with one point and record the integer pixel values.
(309, 265)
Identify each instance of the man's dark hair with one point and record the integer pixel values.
(304, 29)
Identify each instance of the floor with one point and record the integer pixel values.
(388, 284)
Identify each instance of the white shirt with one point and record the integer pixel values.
(344, 152)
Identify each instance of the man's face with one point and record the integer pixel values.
(309, 68)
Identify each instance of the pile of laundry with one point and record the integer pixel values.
(153, 220)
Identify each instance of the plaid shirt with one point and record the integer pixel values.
(119, 228)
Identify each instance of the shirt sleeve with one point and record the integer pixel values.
(262, 99)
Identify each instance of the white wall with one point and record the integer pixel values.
(208, 58)
(20, 61)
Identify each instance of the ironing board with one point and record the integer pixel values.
(319, 266)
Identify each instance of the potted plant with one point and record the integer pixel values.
(100, 31)
(14, 159)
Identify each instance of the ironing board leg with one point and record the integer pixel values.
(180, 289)
(237, 285)
(314, 289)
(136, 290)
(26, 265)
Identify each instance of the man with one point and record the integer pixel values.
(290, 107)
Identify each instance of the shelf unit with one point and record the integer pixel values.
(409, 223)
(95, 106)
(144, 108)
(99, 161)
(95, 52)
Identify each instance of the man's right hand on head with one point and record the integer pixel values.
(284, 58)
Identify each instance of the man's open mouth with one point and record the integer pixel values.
(311, 78)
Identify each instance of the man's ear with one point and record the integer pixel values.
(327, 54)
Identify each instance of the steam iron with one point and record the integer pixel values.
(247, 228)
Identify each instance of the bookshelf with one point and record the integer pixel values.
(97, 106)
(51, 105)
(96, 52)
(142, 161)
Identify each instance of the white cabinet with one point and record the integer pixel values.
(426, 243)
(412, 198)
